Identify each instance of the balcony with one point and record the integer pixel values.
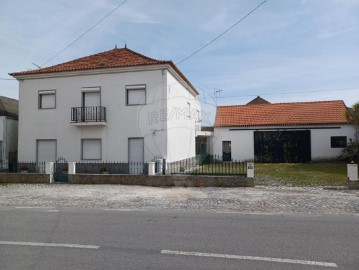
(88, 116)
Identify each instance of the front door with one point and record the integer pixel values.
(136, 155)
(46, 151)
(227, 152)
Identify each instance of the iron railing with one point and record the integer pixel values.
(24, 167)
(207, 165)
(88, 114)
(90, 167)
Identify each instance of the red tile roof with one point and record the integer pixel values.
(116, 58)
(282, 114)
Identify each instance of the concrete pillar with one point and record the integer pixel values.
(352, 170)
(151, 168)
(250, 169)
(49, 169)
(72, 167)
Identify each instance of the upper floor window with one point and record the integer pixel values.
(47, 99)
(338, 141)
(136, 94)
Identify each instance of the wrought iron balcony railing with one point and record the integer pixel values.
(88, 114)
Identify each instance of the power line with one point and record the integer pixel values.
(289, 93)
(84, 33)
(230, 28)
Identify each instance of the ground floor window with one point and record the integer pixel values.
(91, 149)
(338, 141)
(46, 150)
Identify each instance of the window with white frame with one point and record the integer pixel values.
(136, 94)
(91, 149)
(47, 99)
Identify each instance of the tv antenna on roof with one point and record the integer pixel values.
(217, 91)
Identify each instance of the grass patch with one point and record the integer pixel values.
(301, 174)
(233, 168)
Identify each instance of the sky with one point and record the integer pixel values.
(285, 51)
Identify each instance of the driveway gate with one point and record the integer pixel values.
(61, 172)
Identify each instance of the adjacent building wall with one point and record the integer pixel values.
(8, 136)
(242, 141)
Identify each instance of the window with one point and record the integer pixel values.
(338, 141)
(136, 94)
(46, 150)
(91, 149)
(189, 110)
(47, 99)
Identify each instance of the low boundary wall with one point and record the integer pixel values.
(163, 180)
(24, 178)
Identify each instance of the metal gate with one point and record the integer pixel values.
(282, 146)
(227, 152)
(12, 162)
(61, 170)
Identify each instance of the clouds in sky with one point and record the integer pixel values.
(286, 46)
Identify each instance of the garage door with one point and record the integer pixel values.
(46, 150)
(282, 146)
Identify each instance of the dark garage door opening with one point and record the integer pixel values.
(282, 146)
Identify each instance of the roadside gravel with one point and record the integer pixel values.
(261, 199)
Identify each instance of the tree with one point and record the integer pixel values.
(352, 114)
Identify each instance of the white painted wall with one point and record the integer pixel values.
(320, 141)
(183, 111)
(123, 122)
(243, 141)
(8, 136)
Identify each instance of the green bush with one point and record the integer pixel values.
(350, 153)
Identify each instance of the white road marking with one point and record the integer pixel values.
(43, 209)
(39, 244)
(122, 209)
(252, 258)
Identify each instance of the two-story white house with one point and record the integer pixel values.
(117, 105)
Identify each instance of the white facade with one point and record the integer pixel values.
(157, 120)
(8, 137)
(242, 140)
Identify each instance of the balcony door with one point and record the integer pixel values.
(91, 102)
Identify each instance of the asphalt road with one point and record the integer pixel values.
(39, 239)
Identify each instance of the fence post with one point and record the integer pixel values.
(250, 169)
(72, 167)
(151, 168)
(49, 169)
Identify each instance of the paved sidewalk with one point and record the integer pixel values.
(261, 199)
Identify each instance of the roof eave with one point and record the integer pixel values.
(284, 125)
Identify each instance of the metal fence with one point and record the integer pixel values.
(207, 165)
(22, 166)
(90, 167)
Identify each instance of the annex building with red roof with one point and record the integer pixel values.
(117, 105)
(282, 132)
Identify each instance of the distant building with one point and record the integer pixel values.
(9, 111)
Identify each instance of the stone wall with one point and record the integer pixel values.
(25, 178)
(163, 180)
(353, 184)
